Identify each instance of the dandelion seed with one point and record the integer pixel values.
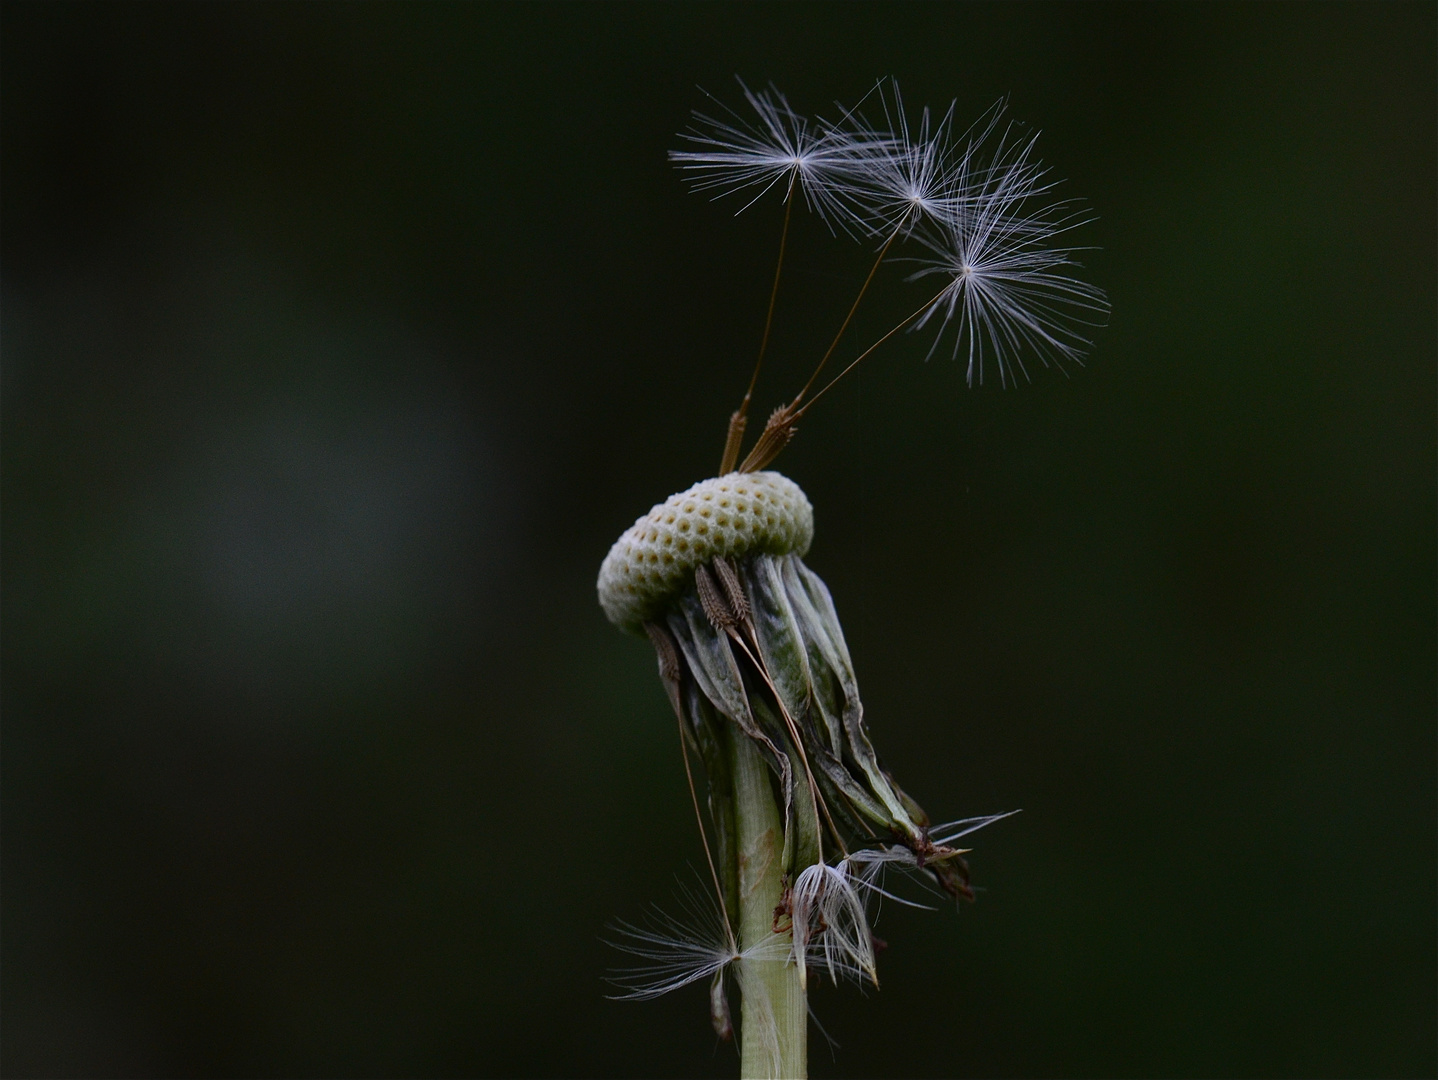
(780, 149)
(1010, 291)
(951, 831)
(687, 949)
(680, 950)
(830, 919)
(903, 171)
(865, 867)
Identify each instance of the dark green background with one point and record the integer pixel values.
(340, 342)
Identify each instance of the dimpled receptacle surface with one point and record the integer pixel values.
(730, 515)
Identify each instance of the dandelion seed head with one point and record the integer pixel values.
(728, 516)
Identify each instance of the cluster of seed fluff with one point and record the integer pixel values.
(730, 515)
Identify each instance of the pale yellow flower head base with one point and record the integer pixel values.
(729, 516)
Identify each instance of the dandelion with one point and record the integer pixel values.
(801, 820)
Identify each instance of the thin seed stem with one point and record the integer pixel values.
(854, 363)
(781, 426)
(855, 307)
(739, 420)
(773, 296)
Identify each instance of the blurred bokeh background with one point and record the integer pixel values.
(339, 342)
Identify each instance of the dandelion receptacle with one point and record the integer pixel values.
(799, 818)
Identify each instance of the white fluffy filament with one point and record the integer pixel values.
(681, 950)
(782, 148)
(831, 923)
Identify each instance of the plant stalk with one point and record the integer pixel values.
(774, 1024)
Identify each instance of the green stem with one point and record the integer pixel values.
(775, 1020)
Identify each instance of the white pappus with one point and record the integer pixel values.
(979, 205)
